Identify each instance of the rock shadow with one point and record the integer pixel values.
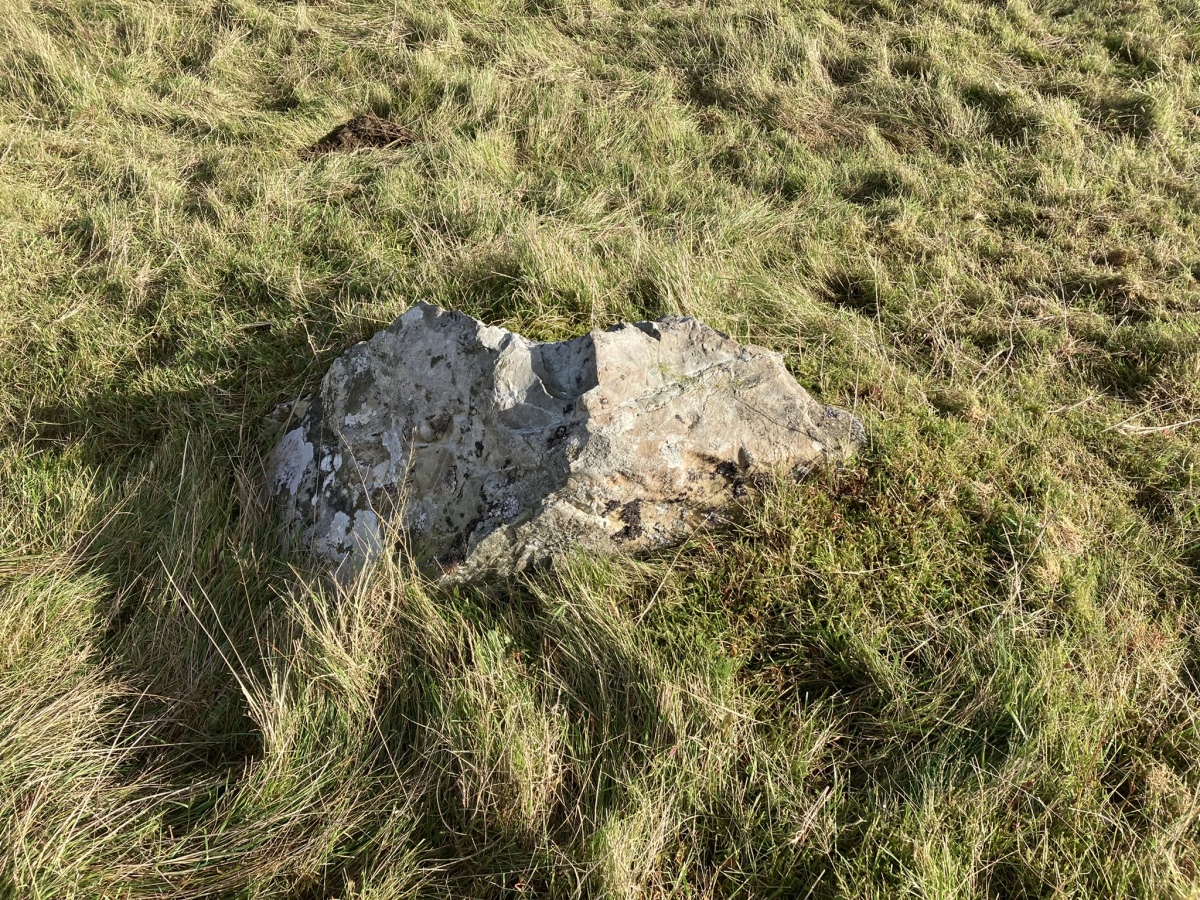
(176, 527)
(578, 665)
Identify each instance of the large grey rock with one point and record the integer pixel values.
(481, 451)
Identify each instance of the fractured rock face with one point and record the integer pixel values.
(483, 452)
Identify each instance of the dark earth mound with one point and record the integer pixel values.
(367, 132)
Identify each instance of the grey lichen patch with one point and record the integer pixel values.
(292, 458)
(488, 452)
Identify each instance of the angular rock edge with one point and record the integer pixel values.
(486, 452)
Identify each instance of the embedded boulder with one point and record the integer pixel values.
(477, 451)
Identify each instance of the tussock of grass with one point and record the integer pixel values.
(965, 665)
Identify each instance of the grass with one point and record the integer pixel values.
(964, 666)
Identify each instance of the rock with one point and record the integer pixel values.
(483, 452)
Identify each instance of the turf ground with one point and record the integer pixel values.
(965, 666)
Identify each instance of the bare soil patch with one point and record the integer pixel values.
(366, 132)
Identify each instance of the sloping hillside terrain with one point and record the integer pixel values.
(965, 665)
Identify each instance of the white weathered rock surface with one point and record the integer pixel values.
(482, 452)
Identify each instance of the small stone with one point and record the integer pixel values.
(486, 452)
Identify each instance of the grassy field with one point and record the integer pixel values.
(965, 666)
